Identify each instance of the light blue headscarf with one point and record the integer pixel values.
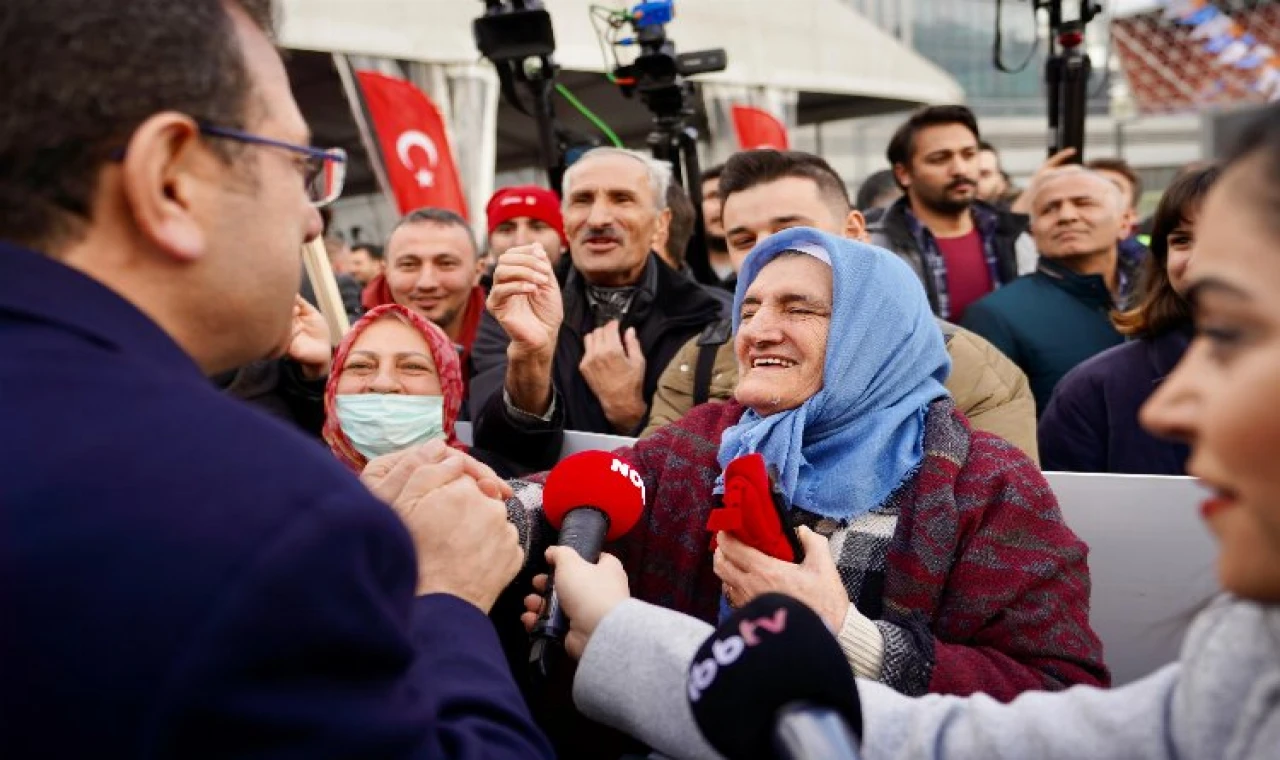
(844, 451)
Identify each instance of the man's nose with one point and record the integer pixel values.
(427, 278)
(601, 214)
(315, 225)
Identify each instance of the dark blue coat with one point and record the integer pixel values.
(1046, 322)
(1091, 424)
(183, 576)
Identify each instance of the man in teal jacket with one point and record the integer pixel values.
(1059, 315)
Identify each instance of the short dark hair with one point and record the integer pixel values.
(902, 146)
(438, 216)
(680, 230)
(373, 249)
(1160, 308)
(750, 168)
(1121, 167)
(876, 186)
(77, 77)
(712, 172)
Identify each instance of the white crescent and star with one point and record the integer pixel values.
(415, 139)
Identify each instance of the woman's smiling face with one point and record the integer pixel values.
(1224, 397)
(782, 342)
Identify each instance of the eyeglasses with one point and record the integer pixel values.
(324, 172)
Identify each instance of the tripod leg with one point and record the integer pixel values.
(1075, 96)
(1053, 98)
(545, 115)
(696, 255)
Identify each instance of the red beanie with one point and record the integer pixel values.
(526, 200)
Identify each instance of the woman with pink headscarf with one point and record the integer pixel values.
(396, 382)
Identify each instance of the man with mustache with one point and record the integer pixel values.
(961, 247)
(1059, 315)
(587, 358)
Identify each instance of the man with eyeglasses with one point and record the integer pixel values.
(180, 575)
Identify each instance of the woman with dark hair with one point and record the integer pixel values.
(1091, 422)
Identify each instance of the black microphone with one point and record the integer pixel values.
(591, 497)
(772, 682)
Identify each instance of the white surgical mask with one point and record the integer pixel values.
(383, 423)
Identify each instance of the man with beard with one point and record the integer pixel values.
(717, 251)
(961, 247)
(594, 362)
(1059, 315)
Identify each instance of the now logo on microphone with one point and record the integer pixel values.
(630, 474)
(727, 651)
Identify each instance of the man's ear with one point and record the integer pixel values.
(160, 183)
(1128, 223)
(855, 226)
(903, 176)
(662, 231)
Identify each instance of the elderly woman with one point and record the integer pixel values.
(1220, 700)
(396, 383)
(937, 553)
(1091, 422)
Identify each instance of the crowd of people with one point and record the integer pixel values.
(228, 532)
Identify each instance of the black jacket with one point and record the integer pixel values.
(1091, 424)
(891, 229)
(277, 387)
(668, 310)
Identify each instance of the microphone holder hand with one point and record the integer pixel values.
(583, 531)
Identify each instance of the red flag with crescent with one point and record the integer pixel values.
(757, 128)
(415, 146)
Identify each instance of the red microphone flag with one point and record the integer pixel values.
(757, 128)
(415, 147)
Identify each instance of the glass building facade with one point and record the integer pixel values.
(957, 36)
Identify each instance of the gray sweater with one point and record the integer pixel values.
(1221, 700)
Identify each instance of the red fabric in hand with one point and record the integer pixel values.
(749, 513)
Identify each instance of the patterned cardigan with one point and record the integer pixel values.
(967, 569)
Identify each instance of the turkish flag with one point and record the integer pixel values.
(757, 128)
(415, 147)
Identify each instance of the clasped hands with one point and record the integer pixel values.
(589, 592)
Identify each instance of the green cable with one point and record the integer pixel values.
(591, 117)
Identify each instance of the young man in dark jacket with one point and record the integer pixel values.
(960, 247)
(587, 358)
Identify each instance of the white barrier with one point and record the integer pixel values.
(1150, 557)
(1151, 560)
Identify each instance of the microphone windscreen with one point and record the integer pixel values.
(595, 479)
(772, 652)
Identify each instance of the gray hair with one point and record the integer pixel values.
(659, 171)
(1117, 195)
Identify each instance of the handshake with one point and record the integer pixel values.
(453, 507)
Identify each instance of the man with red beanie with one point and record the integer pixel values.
(525, 214)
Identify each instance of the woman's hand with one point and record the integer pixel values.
(587, 592)
(309, 343)
(748, 573)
